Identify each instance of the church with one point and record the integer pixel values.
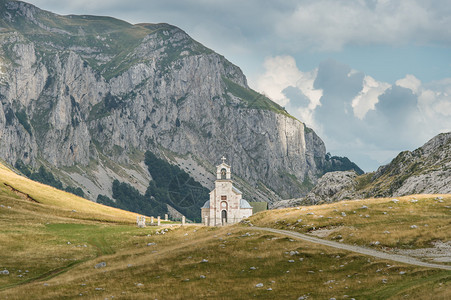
(226, 205)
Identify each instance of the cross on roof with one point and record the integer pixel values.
(223, 159)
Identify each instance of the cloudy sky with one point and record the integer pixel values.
(372, 77)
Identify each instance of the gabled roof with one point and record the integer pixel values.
(245, 204)
(223, 165)
(236, 190)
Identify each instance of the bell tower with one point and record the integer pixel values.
(223, 198)
(223, 171)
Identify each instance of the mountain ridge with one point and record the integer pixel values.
(86, 96)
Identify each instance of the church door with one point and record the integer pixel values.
(224, 217)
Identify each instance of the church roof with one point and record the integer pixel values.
(223, 165)
(236, 190)
(244, 204)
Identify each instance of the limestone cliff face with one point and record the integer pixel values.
(88, 95)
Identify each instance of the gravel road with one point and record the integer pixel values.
(362, 250)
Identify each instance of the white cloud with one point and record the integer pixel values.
(409, 82)
(305, 84)
(330, 24)
(368, 96)
(368, 120)
(434, 101)
(444, 108)
(281, 73)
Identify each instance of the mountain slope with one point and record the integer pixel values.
(416, 225)
(426, 170)
(57, 203)
(86, 96)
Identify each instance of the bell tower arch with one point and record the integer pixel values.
(223, 171)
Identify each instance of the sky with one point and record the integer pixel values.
(371, 77)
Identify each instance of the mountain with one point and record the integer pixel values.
(426, 170)
(87, 96)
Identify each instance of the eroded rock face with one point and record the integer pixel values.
(427, 170)
(88, 103)
(332, 187)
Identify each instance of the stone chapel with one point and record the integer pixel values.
(226, 205)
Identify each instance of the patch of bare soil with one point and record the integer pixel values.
(441, 252)
(324, 232)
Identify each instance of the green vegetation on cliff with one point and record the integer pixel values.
(252, 99)
(175, 187)
(170, 185)
(46, 177)
(338, 163)
(129, 198)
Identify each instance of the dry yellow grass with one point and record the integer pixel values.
(43, 247)
(63, 203)
(410, 222)
(45, 230)
(237, 262)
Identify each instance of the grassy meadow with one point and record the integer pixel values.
(51, 252)
(408, 222)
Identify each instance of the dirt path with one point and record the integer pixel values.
(362, 250)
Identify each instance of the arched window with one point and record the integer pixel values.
(224, 217)
(223, 173)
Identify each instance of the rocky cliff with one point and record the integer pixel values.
(426, 170)
(87, 96)
(331, 187)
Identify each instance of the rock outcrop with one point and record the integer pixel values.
(332, 187)
(87, 96)
(426, 170)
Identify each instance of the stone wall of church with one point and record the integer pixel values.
(224, 201)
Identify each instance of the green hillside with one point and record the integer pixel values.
(58, 246)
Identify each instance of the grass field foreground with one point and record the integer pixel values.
(234, 263)
(56, 253)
